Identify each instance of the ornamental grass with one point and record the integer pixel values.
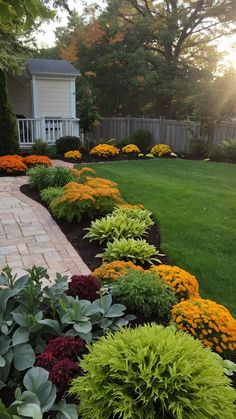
(130, 149)
(12, 165)
(104, 150)
(73, 154)
(114, 270)
(209, 322)
(160, 150)
(183, 283)
(32, 160)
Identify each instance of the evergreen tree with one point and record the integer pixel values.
(8, 132)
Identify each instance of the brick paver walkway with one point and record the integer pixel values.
(29, 235)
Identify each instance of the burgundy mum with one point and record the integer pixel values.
(86, 287)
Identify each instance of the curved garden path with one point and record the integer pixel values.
(29, 235)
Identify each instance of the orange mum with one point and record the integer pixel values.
(208, 321)
(114, 270)
(32, 160)
(184, 284)
(104, 150)
(12, 165)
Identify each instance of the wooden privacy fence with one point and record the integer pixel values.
(178, 134)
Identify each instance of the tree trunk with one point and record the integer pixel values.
(9, 143)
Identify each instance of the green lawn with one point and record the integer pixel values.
(195, 205)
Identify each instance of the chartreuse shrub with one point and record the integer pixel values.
(112, 271)
(152, 372)
(144, 295)
(183, 283)
(209, 322)
(121, 223)
(130, 249)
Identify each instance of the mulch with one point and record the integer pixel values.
(75, 232)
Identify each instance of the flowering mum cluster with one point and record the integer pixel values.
(59, 358)
(73, 154)
(209, 322)
(32, 160)
(160, 150)
(85, 287)
(130, 206)
(12, 165)
(183, 283)
(15, 164)
(114, 270)
(104, 150)
(130, 149)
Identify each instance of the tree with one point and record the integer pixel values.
(8, 133)
(17, 18)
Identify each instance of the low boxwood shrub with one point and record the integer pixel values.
(109, 272)
(141, 138)
(152, 372)
(67, 143)
(43, 149)
(209, 322)
(183, 283)
(137, 251)
(145, 296)
(225, 151)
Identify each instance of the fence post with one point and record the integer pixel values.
(162, 138)
(43, 129)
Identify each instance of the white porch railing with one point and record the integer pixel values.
(45, 129)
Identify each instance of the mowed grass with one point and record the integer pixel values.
(194, 203)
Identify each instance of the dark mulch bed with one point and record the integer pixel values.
(75, 232)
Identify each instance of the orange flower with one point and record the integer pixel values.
(183, 283)
(12, 165)
(221, 337)
(32, 160)
(104, 150)
(114, 270)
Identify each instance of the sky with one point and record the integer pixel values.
(46, 37)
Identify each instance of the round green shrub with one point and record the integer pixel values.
(142, 138)
(152, 372)
(68, 143)
(144, 295)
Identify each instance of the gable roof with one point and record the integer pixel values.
(57, 67)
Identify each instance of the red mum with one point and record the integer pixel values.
(86, 287)
(62, 373)
(46, 360)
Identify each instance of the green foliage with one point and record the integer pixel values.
(120, 223)
(87, 111)
(8, 133)
(145, 295)
(225, 151)
(41, 177)
(152, 372)
(65, 144)
(49, 194)
(199, 146)
(142, 138)
(130, 249)
(43, 149)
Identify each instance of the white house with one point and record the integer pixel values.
(44, 100)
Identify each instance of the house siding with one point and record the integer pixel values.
(53, 97)
(20, 96)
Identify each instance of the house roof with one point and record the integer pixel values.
(56, 67)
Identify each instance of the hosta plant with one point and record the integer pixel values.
(112, 271)
(209, 322)
(145, 295)
(121, 223)
(152, 372)
(130, 249)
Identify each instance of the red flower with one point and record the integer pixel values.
(46, 360)
(65, 347)
(62, 373)
(84, 286)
